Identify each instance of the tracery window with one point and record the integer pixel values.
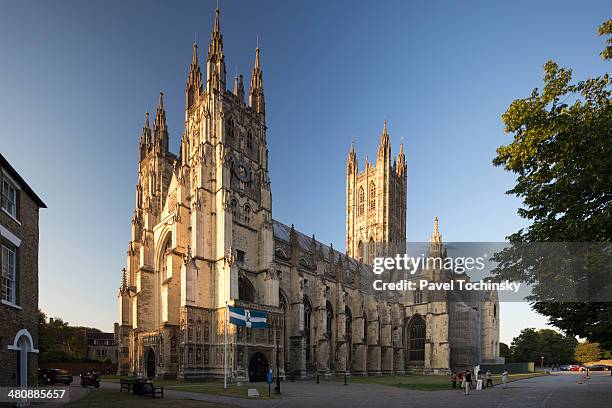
(307, 328)
(418, 296)
(416, 336)
(361, 202)
(372, 196)
(249, 141)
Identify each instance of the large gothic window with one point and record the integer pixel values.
(307, 328)
(348, 333)
(164, 258)
(361, 201)
(372, 196)
(416, 338)
(360, 251)
(329, 315)
(246, 291)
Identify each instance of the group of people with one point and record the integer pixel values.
(464, 378)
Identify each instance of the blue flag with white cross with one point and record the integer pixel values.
(256, 319)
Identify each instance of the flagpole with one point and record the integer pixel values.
(225, 350)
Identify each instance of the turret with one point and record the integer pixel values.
(256, 92)
(351, 161)
(145, 138)
(401, 161)
(160, 129)
(194, 81)
(215, 62)
(239, 88)
(384, 147)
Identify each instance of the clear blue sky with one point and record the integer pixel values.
(76, 78)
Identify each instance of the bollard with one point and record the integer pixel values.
(345, 378)
(317, 378)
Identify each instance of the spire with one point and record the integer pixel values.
(436, 238)
(351, 161)
(160, 129)
(384, 148)
(384, 136)
(194, 81)
(256, 93)
(215, 63)
(401, 161)
(145, 138)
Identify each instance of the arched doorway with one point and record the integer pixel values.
(258, 367)
(150, 364)
(22, 345)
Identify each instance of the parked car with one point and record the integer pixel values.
(575, 368)
(570, 367)
(50, 376)
(598, 367)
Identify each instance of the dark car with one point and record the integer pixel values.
(50, 376)
(597, 367)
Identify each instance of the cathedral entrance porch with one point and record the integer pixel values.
(258, 367)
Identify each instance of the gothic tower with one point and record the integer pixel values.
(376, 203)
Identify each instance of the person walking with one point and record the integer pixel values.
(468, 378)
(454, 379)
(489, 377)
(467, 383)
(479, 381)
(504, 378)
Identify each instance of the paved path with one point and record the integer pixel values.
(553, 391)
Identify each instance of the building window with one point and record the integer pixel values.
(372, 196)
(329, 318)
(249, 142)
(239, 255)
(307, 328)
(9, 276)
(247, 214)
(361, 203)
(234, 207)
(229, 127)
(9, 197)
(416, 336)
(246, 291)
(494, 311)
(418, 296)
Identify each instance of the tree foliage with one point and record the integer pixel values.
(586, 352)
(531, 345)
(562, 157)
(58, 341)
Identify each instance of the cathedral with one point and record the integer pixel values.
(203, 237)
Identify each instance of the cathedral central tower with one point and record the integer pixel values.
(376, 203)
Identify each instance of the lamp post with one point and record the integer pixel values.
(277, 388)
(541, 361)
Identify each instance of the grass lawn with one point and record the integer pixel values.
(208, 387)
(427, 382)
(100, 398)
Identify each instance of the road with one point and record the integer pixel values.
(555, 391)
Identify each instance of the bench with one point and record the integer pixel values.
(126, 384)
(156, 391)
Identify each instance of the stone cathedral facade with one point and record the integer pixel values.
(203, 236)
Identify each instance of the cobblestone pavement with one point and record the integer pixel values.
(558, 390)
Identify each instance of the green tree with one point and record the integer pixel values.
(562, 156)
(532, 345)
(586, 352)
(504, 351)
